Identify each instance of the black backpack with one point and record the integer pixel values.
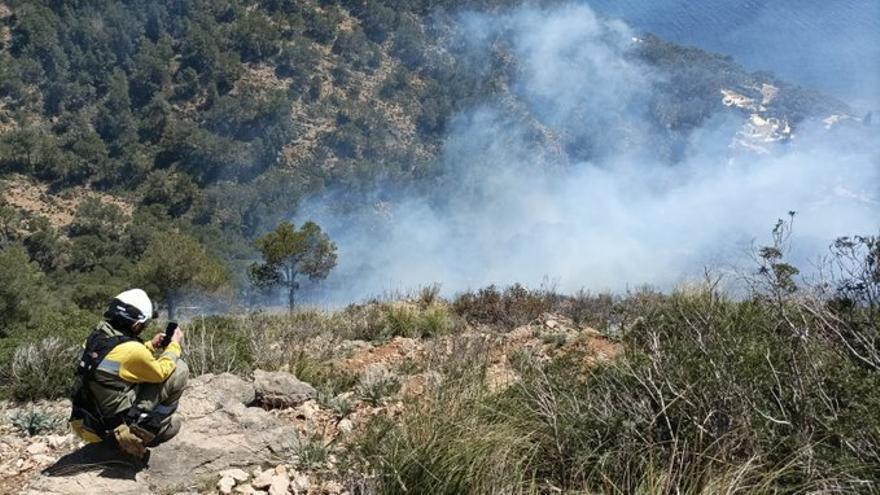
(84, 408)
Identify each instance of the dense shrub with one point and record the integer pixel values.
(24, 290)
(453, 442)
(216, 345)
(510, 308)
(379, 321)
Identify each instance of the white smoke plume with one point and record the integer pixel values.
(512, 212)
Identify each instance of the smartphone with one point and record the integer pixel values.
(169, 332)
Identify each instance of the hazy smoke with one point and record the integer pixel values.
(511, 210)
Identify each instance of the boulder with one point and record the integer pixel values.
(277, 389)
(209, 393)
(219, 433)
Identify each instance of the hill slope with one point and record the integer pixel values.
(218, 118)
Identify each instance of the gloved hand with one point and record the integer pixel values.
(145, 435)
(128, 441)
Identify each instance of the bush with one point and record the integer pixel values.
(510, 308)
(341, 405)
(379, 321)
(321, 373)
(312, 450)
(41, 369)
(453, 442)
(377, 384)
(217, 345)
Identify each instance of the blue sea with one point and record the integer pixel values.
(831, 45)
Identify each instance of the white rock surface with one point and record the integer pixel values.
(279, 485)
(225, 485)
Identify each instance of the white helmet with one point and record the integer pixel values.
(139, 300)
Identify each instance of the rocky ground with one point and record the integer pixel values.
(269, 432)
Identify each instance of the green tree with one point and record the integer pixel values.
(288, 253)
(150, 71)
(175, 265)
(23, 293)
(44, 245)
(115, 123)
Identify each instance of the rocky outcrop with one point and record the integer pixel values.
(220, 432)
(277, 389)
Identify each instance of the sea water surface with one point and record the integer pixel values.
(829, 45)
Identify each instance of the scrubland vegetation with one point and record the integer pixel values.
(774, 390)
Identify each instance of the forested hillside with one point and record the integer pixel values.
(126, 122)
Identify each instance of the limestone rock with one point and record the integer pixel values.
(238, 475)
(219, 433)
(300, 483)
(279, 485)
(37, 448)
(245, 489)
(209, 393)
(277, 389)
(225, 485)
(263, 480)
(331, 487)
(43, 459)
(345, 426)
(59, 441)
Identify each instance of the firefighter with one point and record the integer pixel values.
(127, 390)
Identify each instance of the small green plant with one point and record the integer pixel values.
(401, 321)
(35, 421)
(331, 379)
(410, 366)
(557, 340)
(312, 449)
(341, 405)
(377, 385)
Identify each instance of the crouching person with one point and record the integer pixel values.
(127, 390)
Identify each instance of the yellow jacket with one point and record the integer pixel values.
(137, 364)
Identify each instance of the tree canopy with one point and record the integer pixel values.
(175, 266)
(23, 294)
(288, 253)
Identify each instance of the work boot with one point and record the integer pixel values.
(170, 429)
(129, 442)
